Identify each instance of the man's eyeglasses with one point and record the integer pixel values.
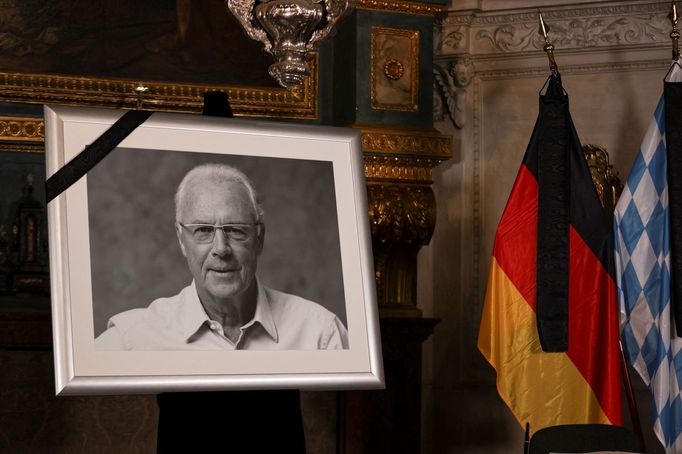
(205, 233)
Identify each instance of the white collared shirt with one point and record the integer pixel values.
(281, 322)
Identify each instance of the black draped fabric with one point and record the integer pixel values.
(673, 141)
(553, 141)
(567, 203)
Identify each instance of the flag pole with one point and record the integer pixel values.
(549, 47)
(632, 404)
(675, 34)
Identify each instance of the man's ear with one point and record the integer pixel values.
(261, 238)
(178, 232)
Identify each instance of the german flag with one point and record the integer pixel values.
(550, 318)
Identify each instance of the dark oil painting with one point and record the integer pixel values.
(183, 41)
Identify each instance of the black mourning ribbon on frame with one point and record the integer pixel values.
(94, 153)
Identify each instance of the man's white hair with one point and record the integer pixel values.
(216, 173)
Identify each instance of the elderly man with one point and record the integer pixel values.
(219, 225)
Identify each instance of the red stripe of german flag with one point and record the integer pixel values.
(581, 385)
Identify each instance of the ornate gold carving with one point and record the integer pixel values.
(399, 6)
(401, 213)
(402, 219)
(21, 147)
(393, 69)
(300, 103)
(605, 178)
(411, 142)
(391, 46)
(22, 129)
(399, 169)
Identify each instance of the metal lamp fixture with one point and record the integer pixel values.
(289, 30)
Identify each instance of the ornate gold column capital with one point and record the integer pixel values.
(395, 141)
(402, 207)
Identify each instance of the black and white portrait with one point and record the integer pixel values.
(202, 251)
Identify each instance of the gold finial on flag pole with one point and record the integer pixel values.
(675, 34)
(549, 47)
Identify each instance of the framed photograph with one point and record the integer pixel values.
(211, 253)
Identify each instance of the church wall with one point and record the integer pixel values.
(489, 68)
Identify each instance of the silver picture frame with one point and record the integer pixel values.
(85, 268)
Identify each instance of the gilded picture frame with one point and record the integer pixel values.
(82, 247)
(98, 53)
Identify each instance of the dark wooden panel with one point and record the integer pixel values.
(389, 421)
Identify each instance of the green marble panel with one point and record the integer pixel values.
(352, 70)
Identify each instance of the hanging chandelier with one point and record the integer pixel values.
(289, 30)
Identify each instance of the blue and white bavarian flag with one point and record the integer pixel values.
(642, 248)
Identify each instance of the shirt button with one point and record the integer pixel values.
(214, 326)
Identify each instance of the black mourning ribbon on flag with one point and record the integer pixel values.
(553, 218)
(94, 153)
(673, 140)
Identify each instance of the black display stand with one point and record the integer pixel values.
(229, 421)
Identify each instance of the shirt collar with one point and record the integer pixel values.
(193, 316)
(263, 314)
(192, 313)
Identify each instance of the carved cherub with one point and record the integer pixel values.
(453, 85)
